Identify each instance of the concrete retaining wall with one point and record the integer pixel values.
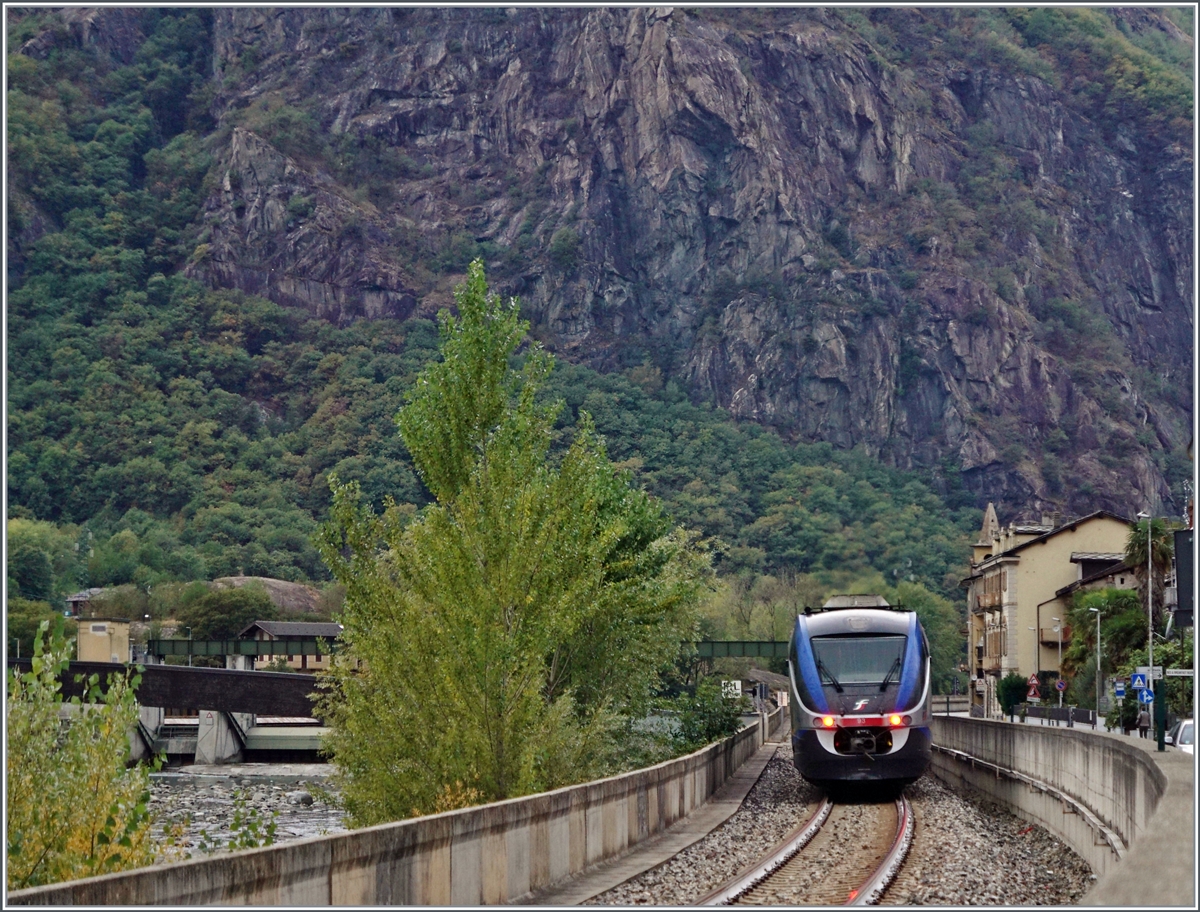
(1116, 787)
(489, 854)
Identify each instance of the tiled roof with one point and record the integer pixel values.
(284, 629)
(1065, 527)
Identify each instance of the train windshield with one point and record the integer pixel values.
(858, 659)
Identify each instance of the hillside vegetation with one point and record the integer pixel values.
(165, 426)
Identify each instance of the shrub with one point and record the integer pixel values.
(74, 810)
(564, 249)
(1010, 691)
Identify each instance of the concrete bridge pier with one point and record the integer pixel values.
(141, 737)
(216, 739)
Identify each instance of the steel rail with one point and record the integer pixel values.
(780, 855)
(868, 894)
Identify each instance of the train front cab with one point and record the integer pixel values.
(863, 731)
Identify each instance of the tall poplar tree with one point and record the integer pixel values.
(496, 641)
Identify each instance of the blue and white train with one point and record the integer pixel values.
(859, 700)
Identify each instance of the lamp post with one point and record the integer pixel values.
(1097, 610)
(1149, 602)
(1058, 627)
(189, 630)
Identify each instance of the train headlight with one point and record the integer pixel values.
(824, 722)
(897, 719)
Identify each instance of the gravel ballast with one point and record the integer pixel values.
(968, 851)
(965, 851)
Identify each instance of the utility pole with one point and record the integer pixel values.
(1058, 627)
(1097, 610)
(1149, 596)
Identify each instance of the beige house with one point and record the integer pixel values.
(303, 633)
(1023, 577)
(103, 640)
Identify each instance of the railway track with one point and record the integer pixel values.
(846, 854)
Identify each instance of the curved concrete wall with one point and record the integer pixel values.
(489, 854)
(1110, 798)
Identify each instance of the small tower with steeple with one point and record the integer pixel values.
(989, 535)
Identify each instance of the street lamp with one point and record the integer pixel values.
(189, 630)
(1149, 602)
(1097, 610)
(1058, 627)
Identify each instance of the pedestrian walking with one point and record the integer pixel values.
(1143, 723)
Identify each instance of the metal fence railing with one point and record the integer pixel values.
(1069, 716)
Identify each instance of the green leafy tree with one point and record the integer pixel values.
(222, 614)
(943, 627)
(25, 617)
(509, 627)
(29, 572)
(1010, 690)
(74, 809)
(706, 715)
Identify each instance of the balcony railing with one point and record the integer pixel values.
(991, 663)
(988, 599)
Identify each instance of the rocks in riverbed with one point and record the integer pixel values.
(203, 813)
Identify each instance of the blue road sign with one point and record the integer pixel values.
(1138, 682)
(1145, 695)
(1120, 690)
(1060, 685)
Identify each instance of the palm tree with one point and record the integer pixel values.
(1162, 553)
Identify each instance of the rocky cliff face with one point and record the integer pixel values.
(947, 264)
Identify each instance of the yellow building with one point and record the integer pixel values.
(103, 640)
(1020, 587)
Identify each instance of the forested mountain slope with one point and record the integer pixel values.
(958, 242)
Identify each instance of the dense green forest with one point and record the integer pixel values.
(160, 431)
